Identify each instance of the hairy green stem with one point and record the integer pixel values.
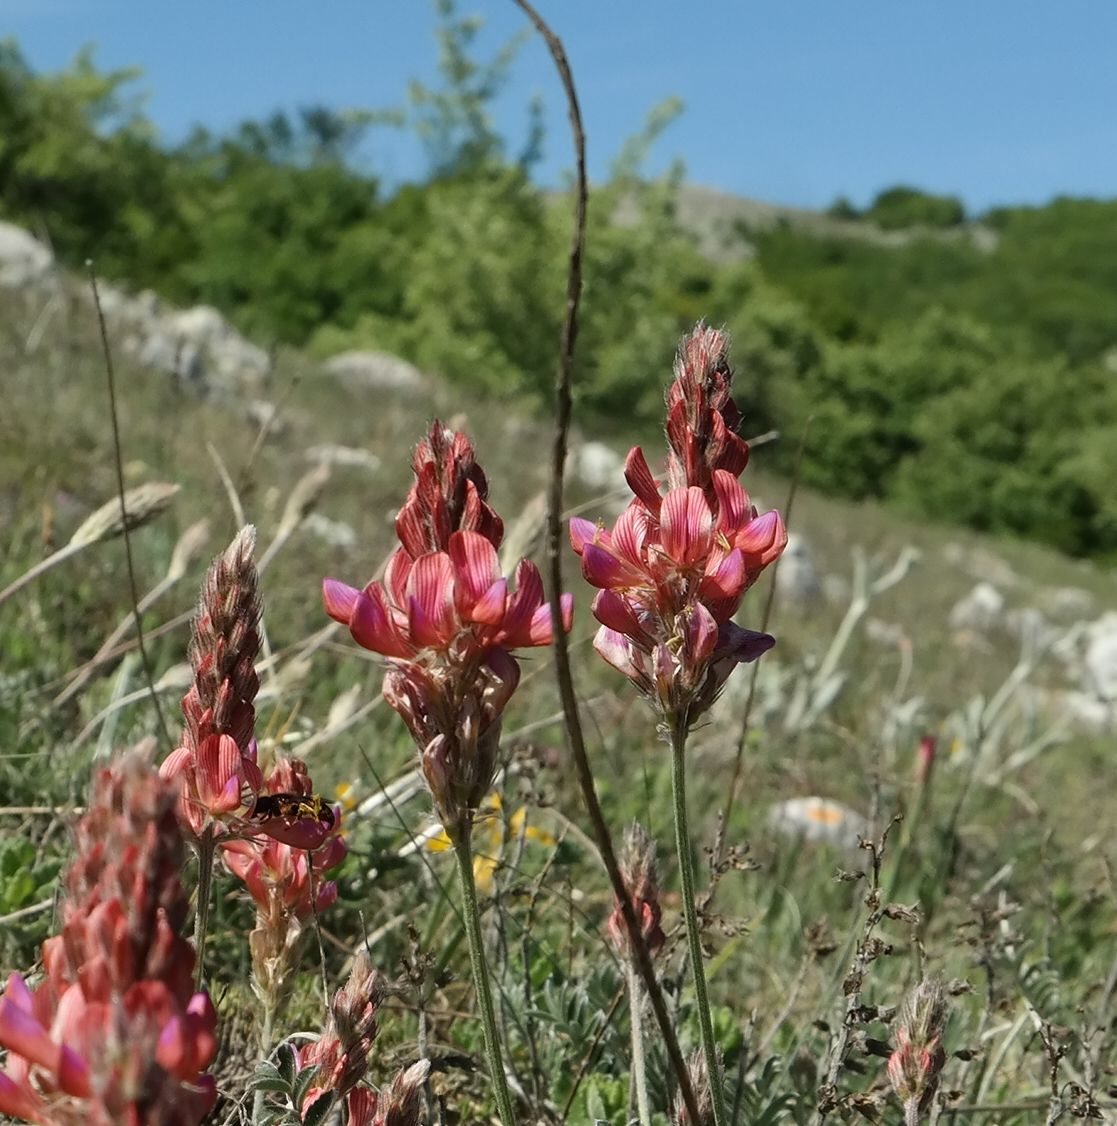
(463, 849)
(639, 1065)
(690, 914)
(265, 1054)
(206, 848)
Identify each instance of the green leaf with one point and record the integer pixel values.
(303, 1082)
(285, 1063)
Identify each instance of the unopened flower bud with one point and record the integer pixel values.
(915, 1064)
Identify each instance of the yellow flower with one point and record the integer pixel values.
(489, 835)
(346, 795)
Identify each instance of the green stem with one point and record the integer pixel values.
(694, 937)
(463, 849)
(206, 848)
(639, 1066)
(265, 1053)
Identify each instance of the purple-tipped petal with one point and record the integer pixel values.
(742, 645)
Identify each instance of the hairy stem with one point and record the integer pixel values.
(266, 1024)
(639, 1065)
(463, 849)
(690, 914)
(206, 847)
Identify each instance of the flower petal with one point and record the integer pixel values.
(339, 600)
(763, 539)
(522, 607)
(618, 613)
(686, 525)
(640, 479)
(601, 568)
(373, 625)
(583, 531)
(430, 609)
(476, 566)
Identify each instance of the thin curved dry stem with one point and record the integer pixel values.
(118, 457)
(563, 406)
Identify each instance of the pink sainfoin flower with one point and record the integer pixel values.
(639, 871)
(672, 571)
(448, 621)
(341, 1056)
(115, 1032)
(915, 1065)
(215, 765)
(283, 876)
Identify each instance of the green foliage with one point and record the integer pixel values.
(900, 207)
(960, 372)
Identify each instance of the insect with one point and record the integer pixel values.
(292, 807)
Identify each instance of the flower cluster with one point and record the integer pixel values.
(216, 763)
(341, 1056)
(639, 871)
(672, 571)
(914, 1066)
(283, 876)
(114, 1033)
(447, 620)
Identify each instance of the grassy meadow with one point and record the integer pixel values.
(1003, 862)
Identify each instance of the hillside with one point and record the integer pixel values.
(958, 368)
(888, 630)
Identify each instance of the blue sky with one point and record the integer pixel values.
(793, 101)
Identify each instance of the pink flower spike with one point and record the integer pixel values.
(686, 525)
(339, 600)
